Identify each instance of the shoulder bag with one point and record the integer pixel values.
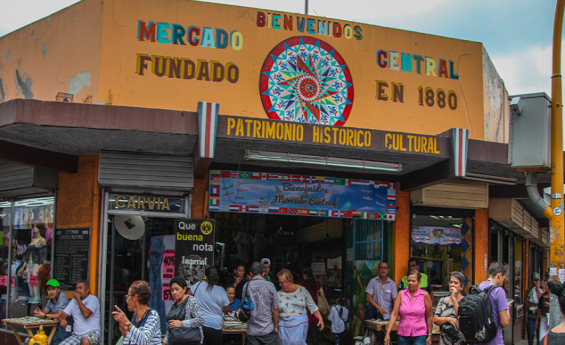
(448, 331)
(323, 305)
(246, 306)
(182, 334)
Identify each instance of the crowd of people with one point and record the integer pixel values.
(289, 315)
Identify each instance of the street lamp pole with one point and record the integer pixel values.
(306, 7)
(556, 218)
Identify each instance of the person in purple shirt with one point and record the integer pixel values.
(381, 294)
(500, 307)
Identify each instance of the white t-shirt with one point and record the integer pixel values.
(338, 325)
(212, 303)
(81, 325)
(533, 298)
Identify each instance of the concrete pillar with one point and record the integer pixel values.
(401, 237)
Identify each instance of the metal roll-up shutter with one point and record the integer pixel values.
(20, 180)
(148, 171)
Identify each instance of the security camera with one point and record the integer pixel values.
(516, 106)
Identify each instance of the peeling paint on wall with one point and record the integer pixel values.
(25, 85)
(2, 92)
(495, 91)
(48, 21)
(36, 41)
(45, 51)
(7, 56)
(76, 83)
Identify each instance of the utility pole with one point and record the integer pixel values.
(306, 7)
(556, 219)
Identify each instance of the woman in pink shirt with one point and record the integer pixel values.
(415, 308)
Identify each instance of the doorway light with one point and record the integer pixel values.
(321, 160)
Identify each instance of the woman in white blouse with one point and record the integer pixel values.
(295, 300)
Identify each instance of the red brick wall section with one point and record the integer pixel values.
(401, 237)
(199, 198)
(78, 205)
(481, 245)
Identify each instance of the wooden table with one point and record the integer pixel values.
(30, 323)
(243, 332)
(380, 325)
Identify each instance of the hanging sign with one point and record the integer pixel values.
(194, 248)
(302, 195)
(436, 235)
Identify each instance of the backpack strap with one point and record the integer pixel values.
(490, 288)
(339, 313)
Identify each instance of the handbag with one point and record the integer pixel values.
(182, 334)
(453, 333)
(323, 305)
(246, 306)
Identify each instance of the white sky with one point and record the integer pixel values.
(517, 34)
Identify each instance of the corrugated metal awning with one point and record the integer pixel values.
(21, 180)
(147, 171)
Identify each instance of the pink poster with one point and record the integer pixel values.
(168, 264)
(167, 292)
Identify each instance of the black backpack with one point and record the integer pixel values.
(476, 321)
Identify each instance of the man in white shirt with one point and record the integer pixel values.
(85, 310)
(532, 301)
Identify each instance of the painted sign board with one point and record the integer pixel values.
(194, 248)
(436, 235)
(297, 68)
(255, 63)
(302, 195)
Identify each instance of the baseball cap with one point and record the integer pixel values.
(265, 261)
(536, 276)
(53, 282)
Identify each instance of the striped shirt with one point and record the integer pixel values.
(264, 297)
(194, 318)
(148, 334)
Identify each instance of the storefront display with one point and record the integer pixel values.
(26, 251)
(437, 243)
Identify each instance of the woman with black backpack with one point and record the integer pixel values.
(185, 317)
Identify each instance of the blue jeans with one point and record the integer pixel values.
(155, 283)
(421, 340)
(531, 328)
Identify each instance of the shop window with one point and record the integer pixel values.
(26, 241)
(368, 240)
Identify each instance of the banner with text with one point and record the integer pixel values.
(194, 248)
(302, 195)
(436, 235)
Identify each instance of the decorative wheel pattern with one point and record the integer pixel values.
(305, 79)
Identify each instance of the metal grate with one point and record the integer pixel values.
(148, 171)
(368, 240)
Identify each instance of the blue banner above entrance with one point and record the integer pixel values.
(306, 195)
